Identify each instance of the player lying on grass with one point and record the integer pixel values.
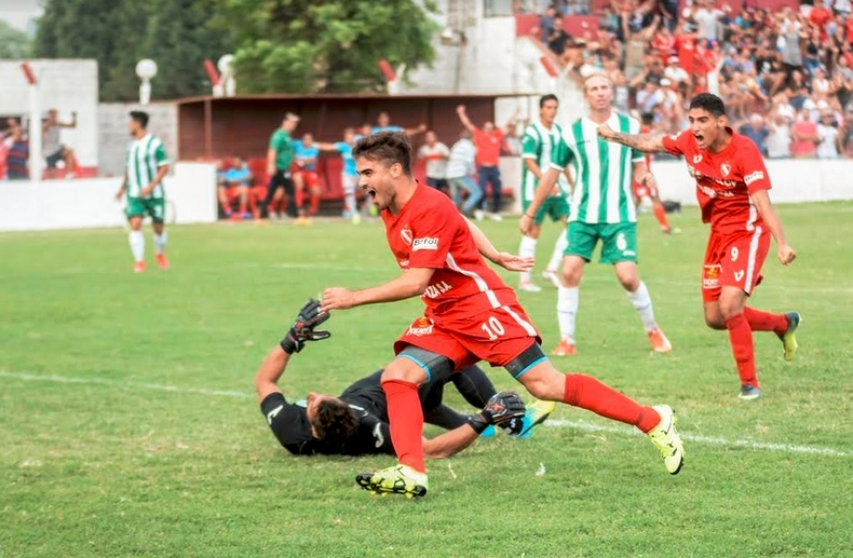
(732, 186)
(356, 423)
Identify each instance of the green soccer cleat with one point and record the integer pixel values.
(666, 439)
(399, 479)
(789, 338)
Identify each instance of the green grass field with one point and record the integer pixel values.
(129, 424)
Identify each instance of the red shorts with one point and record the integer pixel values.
(734, 260)
(641, 191)
(496, 336)
(310, 178)
(232, 193)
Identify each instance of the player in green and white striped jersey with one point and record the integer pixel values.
(540, 139)
(145, 167)
(601, 208)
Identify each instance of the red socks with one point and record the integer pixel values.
(588, 393)
(660, 214)
(407, 422)
(740, 336)
(765, 321)
(315, 204)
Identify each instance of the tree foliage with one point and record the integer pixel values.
(328, 46)
(14, 44)
(118, 33)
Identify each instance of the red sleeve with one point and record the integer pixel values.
(675, 144)
(432, 235)
(755, 174)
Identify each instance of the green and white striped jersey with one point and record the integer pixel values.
(144, 157)
(538, 143)
(603, 171)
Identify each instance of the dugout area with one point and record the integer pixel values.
(213, 128)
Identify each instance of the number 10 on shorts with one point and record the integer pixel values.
(493, 328)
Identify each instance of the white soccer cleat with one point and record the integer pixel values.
(529, 287)
(399, 479)
(666, 439)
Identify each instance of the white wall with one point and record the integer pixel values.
(88, 203)
(793, 181)
(66, 85)
(113, 137)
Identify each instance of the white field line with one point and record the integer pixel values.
(560, 423)
(712, 440)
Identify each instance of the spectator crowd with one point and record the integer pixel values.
(785, 75)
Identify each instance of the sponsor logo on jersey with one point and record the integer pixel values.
(726, 183)
(697, 159)
(437, 289)
(422, 327)
(406, 235)
(753, 176)
(711, 278)
(425, 243)
(725, 168)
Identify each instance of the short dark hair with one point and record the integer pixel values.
(388, 147)
(647, 118)
(549, 97)
(334, 421)
(140, 116)
(708, 102)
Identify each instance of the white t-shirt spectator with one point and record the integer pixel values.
(461, 162)
(436, 159)
(706, 23)
(778, 141)
(676, 73)
(828, 146)
(647, 99)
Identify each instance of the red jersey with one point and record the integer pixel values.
(429, 232)
(488, 147)
(724, 180)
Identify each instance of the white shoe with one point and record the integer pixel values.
(479, 214)
(551, 276)
(495, 217)
(666, 439)
(529, 286)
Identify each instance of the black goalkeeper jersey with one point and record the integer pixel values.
(289, 421)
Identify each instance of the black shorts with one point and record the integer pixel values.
(54, 158)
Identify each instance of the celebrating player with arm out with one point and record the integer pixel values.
(470, 315)
(601, 209)
(356, 423)
(732, 186)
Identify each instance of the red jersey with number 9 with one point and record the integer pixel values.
(429, 232)
(724, 180)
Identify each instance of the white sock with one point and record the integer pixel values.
(643, 305)
(559, 251)
(526, 249)
(160, 242)
(567, 311)
(137, 245)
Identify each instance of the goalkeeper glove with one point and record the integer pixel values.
(501, 408)
(302, 330)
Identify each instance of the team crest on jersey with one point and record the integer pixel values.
(406, 235)
(725, 168)
(697, 159)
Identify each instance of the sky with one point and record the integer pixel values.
(18, 12)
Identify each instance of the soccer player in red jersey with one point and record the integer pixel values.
(470, 315)
(731, 186)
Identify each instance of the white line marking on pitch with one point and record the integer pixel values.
(749, 444)
(560, 423)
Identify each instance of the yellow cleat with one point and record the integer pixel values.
(399, 479)
(666, 439)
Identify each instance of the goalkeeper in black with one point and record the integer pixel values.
(356, 422)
